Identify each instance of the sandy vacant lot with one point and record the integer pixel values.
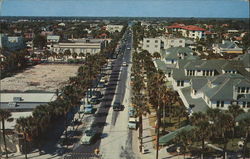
(40, 77)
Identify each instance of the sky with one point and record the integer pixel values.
(127, 8)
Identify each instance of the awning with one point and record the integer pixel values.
(170, 136)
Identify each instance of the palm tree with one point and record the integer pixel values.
(226, 124)
(202, 129)
(22, 126)
(184, 137)
(67, 53)
(74, 55)
(5, 115)
(141, 109)
(157, 55)
(81, 55)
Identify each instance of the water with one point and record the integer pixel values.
(128, 8)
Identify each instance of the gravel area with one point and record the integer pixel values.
(45, 77)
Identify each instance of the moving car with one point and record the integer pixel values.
(117, 106)
(88, 136)
(132, 123)
(124, 64)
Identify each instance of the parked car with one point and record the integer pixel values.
(124, 64)
(88, 109)
(132, 123)
(117, 106)
(88, 136)
(94, 100)
(131, 112)
(101, 85)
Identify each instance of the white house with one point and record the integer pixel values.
(113, 28)
(227, 47)
(222, 91)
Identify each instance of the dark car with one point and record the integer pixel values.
(117, 106)
(94, 100)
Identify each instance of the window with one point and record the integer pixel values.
(248, 104)
(148, 41)
(244, 104)
(238, 90)
(218, 103)
(182, 83)
(222, 104)
(243, 90)
(147, 46)
(156, 46)
(178, 83)
(247, 90)
(156, 41)
(180, 41)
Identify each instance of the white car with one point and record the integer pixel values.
(124, 64)
(132, 123)
(88, 136)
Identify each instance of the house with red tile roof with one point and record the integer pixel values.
(190, 31)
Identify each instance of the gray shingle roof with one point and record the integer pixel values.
(173, 52)
(227, 44)
(198, 83)
(222, 87)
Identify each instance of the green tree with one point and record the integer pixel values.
(39, 41)
(5, 115)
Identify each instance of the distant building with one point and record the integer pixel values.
(189, 31)
(159, 44)
(61, 24)
(11, 43)
(232, 31)
(78, 46)
(53, 38)
(113, 28)
(227, 47)
(21, 102)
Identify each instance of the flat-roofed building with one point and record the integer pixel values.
(113, 28)
(78, 47)
(53, 38)
(23, 102)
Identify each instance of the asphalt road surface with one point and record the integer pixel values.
(115, 91)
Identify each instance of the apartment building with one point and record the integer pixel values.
(158, 44)
(189, 31)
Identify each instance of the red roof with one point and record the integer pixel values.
(176, 26)
(188, 27)
(193, 28)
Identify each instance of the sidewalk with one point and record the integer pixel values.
(148, 143)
